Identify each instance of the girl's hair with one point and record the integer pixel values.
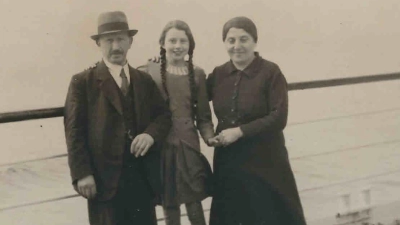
(180, 25)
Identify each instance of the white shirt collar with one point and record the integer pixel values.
(115, 71)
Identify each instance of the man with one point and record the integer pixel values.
(115, 120)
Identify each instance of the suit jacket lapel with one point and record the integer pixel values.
(137, 92)
(108, 86)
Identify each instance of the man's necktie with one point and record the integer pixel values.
(124, 84)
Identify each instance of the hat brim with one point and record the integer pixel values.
(131, 33)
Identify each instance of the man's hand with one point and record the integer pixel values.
(155, 59)
(141, 144)
(87, 187)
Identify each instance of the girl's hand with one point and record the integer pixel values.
(213, 142)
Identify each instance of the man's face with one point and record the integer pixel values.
(114, 47)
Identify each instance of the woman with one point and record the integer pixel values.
(185, 170)
(254, 183)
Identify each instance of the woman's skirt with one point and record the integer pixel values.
(243, 199)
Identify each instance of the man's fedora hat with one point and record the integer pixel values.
(112, 22)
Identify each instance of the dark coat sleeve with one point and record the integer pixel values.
(160, 114)
(276, 119)
(204, 119)
(210, 84)
(75, 124)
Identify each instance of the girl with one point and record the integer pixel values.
(185, 169)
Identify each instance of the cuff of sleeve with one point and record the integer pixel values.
(151, 135)
(247, 130)
(81, 174)
(208, 136)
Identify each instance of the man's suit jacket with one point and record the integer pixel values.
(95, 130)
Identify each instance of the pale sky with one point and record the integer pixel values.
(45, 42)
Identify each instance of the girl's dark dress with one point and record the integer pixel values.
(254, 183)
(185, 171)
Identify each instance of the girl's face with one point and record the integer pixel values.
(240, 46)
(176, 45)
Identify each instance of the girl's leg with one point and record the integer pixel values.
(172, 215)
(195, 213)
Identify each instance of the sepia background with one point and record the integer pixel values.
(340, 140)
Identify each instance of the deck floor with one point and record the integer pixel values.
(340, 140)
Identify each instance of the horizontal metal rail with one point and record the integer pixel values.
(58, 112)
(34, 160)
(343, 81)
(31, 114)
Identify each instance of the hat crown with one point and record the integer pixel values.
(112, 22)
(112, 17)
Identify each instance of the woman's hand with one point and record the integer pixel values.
(229, 136)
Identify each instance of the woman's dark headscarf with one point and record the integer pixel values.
(240, 22)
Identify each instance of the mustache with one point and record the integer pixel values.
(117, 52)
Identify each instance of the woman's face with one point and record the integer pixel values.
(176, 45)
(240, 46)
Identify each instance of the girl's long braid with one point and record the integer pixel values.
(193, 86)
(162, 71)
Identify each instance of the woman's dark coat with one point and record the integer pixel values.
(256, 100)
